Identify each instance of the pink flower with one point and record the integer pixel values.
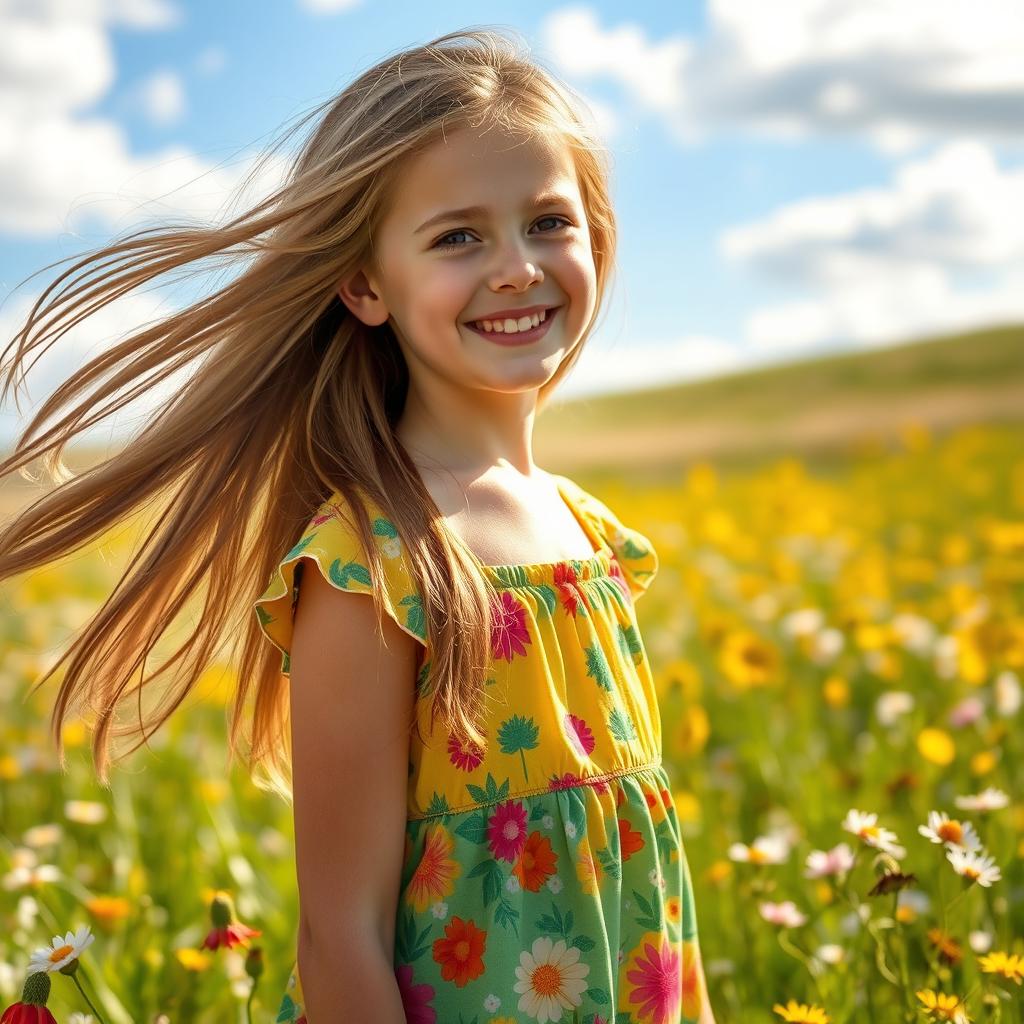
(506, 831)
(509, 632)
(415, 998)
(580, 735)
(835, 861)
(466, 756)
(784, 914)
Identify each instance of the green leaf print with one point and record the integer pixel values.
(491, 793)
(577, 815)
(538, 812)
(493, 892)
(301, 546)
(517, 734)
(438, 804)
(414, 617)
(507, 916)
(289, 1011)
(584, 943)
(409, 946)
(341, 572)
(599, 996)
(666, 840)
(630, 643)
(474, 828)
(609, 862)
(651, 918)
(621, 726)
(598, 668)
(384, 528)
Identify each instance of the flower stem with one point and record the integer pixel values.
(88, 1002)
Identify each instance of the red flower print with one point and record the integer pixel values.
(415, 998)
(567, 781)
(460, 952)
(536, 863)
(566, 580)
(615, 573)
(629, 839)
(506, 831)
(597, 785)
(509, 633)
(466, 756)
(579, 735)
(652, 990)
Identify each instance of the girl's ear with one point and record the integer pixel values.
(358, 294)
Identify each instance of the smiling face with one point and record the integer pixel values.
(524, 247)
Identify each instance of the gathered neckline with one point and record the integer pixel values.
(523, 573)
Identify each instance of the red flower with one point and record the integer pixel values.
(31, 1009)
(227, 930)
(233, 934)
(27, 1013)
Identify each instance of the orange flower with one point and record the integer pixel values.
(629, 839)
(460, 953)
(536, 863)
(434, 877)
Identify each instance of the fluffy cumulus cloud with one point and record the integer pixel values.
(936, 90)
(884, 263)
(65, 168)
(896, 72)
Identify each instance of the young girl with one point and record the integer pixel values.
(483, 822)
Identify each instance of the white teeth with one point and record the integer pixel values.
(510, 326)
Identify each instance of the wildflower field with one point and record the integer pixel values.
(839, 646)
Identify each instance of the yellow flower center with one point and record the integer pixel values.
(59, 954)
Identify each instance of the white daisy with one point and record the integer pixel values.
(990, 799)
(974, 865)
(61, 951)
(864, 827)
(943, 829)
(551, 979)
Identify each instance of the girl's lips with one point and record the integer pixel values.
(519, 337)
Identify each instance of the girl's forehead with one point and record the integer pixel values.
(466, 165)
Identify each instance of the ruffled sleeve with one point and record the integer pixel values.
(634, 553)
(332, 547)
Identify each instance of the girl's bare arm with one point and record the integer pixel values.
(351, 705)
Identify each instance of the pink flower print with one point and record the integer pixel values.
(415, 998)
(567, 781)
(653, 989)
(466, 756)
(580, 736)
(597, 785)
(615, 573)
(509, 633)
(506, 831)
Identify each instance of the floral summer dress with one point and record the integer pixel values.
(545, 878)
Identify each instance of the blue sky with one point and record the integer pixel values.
(789, 179)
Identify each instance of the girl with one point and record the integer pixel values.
(483, 824)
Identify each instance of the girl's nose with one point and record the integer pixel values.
(514, 267)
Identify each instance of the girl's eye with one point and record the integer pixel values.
(442, 242)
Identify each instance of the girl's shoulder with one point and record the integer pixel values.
(633, 551)
(330, 544)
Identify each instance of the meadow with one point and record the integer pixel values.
(838, 641)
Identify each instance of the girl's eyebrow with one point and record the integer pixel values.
(465, 212)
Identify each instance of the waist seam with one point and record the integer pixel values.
(589, 780)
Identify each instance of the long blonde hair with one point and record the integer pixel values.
(294, 399)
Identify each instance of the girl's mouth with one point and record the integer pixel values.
(517, 337)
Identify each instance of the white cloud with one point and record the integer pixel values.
(650, 71)
(329, 6)
(896, 72)
(65, 169)
(624, 367)
(162, 97)
(884, 264)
